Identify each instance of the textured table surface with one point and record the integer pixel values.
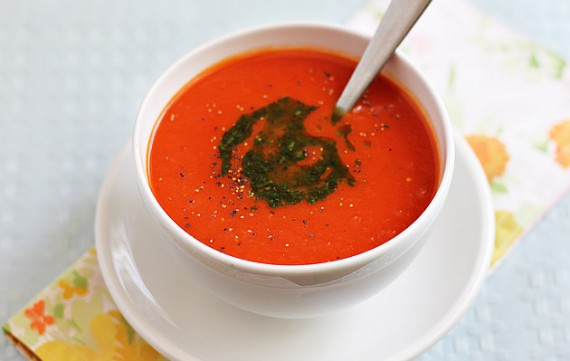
(71, 78)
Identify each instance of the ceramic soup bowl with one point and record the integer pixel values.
(292, 291)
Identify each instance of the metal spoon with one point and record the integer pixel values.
(399, 18)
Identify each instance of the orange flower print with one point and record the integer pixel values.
(560, 134)
(79, 286)
(492, 154)
(39, 320)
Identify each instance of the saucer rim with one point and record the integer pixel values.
(477, 277)
(166, 347)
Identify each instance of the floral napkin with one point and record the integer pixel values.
(75, 319)
(508, 96)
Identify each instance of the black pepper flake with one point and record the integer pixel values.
(190, 201)
(310, 234)
(306, 223)
(187, 225)
(233, 213)
(181, 175)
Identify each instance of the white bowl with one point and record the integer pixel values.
(293, 291)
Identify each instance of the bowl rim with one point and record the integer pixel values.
(191, 244)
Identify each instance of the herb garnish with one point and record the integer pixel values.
(272, 164)
(344, 131)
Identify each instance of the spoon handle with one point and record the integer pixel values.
(399, 18)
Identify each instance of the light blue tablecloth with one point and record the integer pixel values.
(71, 77)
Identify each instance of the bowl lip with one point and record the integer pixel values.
(192, 245)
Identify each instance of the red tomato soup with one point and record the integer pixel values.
(248, 159)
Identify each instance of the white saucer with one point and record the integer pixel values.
(184, 322)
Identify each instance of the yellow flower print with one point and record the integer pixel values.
(113, 340)
(507, 231)
(491, 152)
(560, 134)
(79, 286)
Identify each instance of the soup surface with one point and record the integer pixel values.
(248, 160)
